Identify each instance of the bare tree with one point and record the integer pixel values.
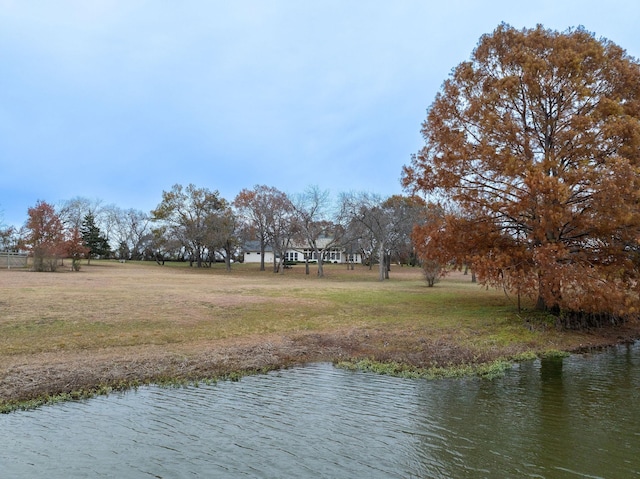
(384, 225)
(131, 231)
(224, 227)
(371, 221)
(73, 212)
(265, 213)
(404, 213)
(319, 229)
(282, 227)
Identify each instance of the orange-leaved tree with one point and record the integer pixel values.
(535, 142)
(45, 237)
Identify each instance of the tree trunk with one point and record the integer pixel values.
(549, 293)
(227, 255)
(199, 256)
(262, 248)
(320, 265)
(381, 259)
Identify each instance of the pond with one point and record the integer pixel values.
(577, 417)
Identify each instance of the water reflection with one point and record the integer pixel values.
(577, 417)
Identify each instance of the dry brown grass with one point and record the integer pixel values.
(114, 324)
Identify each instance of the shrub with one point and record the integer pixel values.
(431, 271)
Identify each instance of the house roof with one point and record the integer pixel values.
(255, 246)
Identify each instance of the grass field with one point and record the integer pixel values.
(115, 325)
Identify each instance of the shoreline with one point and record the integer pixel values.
(45, 378)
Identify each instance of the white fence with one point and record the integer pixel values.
(12, 260)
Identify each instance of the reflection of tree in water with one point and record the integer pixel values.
(588, 410)
(533, 422)
(478, 428)
(553, 438)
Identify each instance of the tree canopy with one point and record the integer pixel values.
(534, 145)
(383, 224)
(267, 213)
(193, 215)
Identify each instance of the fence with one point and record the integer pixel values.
(12, 260)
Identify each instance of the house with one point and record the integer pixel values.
(300, 252)
(251, 252)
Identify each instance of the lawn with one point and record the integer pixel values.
(117, 323)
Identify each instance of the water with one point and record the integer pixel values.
(572, 418)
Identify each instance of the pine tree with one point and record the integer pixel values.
(97, 244)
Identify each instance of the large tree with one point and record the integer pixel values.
(536, 143)
(266, 213)
(384, 225)
(191, 214)
(224, 240)
(131, 232)
(406, 212)
(282, 227)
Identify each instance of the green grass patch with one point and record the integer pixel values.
(491, 370)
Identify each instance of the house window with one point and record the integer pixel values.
(291, 256)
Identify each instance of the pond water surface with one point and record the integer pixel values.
(577, 417)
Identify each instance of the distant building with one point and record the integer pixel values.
(300, 253)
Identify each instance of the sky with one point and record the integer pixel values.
(117, 100)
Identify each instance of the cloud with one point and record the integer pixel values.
(122, 99)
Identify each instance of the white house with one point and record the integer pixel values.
(251, 252)
(301, 252)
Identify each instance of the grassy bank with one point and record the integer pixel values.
(114, 325)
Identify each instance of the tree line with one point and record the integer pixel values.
(195, 224)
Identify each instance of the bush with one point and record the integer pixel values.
(431, 272)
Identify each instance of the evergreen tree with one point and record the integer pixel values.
(97, 244)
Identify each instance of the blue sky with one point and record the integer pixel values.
(119, 100)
